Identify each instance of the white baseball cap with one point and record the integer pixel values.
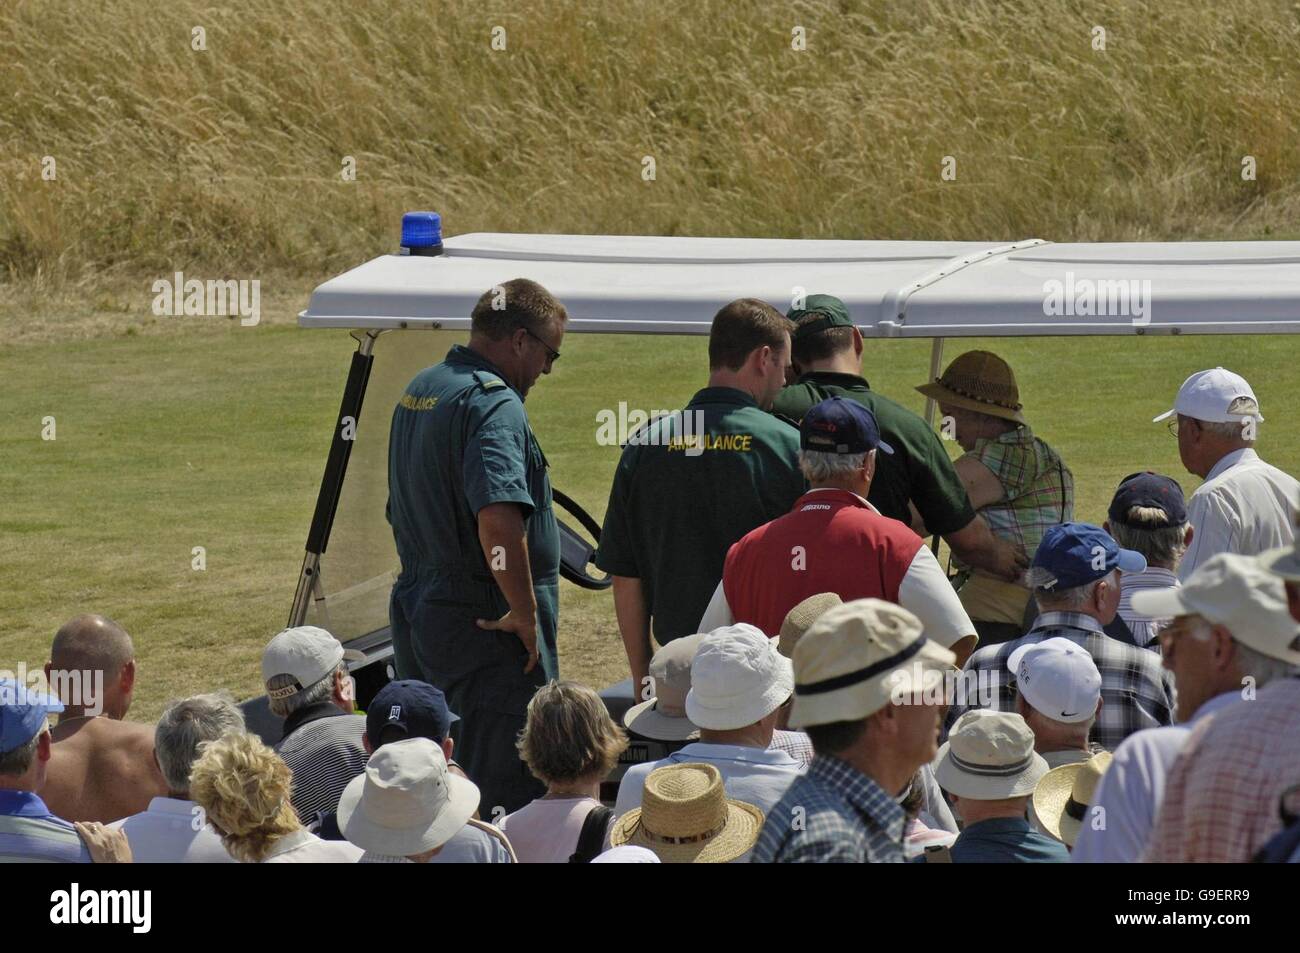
(1058, 678)
(737, 678)
(1238, 593)
(308, 654)
(1215, 396)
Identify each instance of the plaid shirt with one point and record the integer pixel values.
(1221, 799)
(1136, 690)
(1038, 488)
(796, 744)
(834, 814)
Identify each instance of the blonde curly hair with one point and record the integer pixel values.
(243, 788)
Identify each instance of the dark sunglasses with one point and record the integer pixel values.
(552, 354)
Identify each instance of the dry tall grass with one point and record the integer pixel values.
(228, 161)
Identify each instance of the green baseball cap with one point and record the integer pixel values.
(831, 309)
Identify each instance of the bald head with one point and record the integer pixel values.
(92, 666)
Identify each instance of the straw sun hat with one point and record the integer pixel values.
(685, 818)
(1061, 799)
(979, 381)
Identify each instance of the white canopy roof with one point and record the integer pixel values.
(654, 285)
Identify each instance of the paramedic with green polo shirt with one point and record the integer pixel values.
(475, 607)
(691, 483)
(918, 484)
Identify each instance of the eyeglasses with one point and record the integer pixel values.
(1173, 427)
(551, 353)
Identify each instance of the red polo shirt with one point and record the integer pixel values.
(832, 541)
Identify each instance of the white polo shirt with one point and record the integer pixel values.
(165, 833)
(1133, 786)
(758, 776)
(1245, 506)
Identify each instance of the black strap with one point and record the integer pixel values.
(591, 841)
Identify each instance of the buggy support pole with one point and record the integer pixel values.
(931, 406)
(331, 484)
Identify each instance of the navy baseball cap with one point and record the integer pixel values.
(1148, 489)
(839, 425)
(415, 707)
(22, 713)
(1075, 554)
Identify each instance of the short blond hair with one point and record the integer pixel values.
(568, 734)
(243, 787)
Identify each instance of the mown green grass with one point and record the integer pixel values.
(216, 437)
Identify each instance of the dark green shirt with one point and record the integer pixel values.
(688, 485)
(919, 468)
(460, 440)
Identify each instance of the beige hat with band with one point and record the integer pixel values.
(989, 756)
(857, 658)
(1284, 562)
(1060, 802)
(685, 817)
(1239, 593)
(979, 381)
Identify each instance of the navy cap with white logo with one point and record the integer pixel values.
(408, 708)
(839, 425)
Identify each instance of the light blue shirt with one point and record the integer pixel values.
(757, 776)
(1132, 788)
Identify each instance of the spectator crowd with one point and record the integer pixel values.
(822, 689)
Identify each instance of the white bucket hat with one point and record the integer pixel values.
(662, 717)
(857, 657)
(1058, 678)
(1238, 593)
(737, 678)
(989, 755)
(406, 801)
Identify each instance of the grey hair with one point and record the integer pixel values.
(1229, 430)
(1066, 599)
(1253, 663)
(818, 466)
(1161, 545)
(187, 724)
(312, 694)
(14, 764)
(1262, 668)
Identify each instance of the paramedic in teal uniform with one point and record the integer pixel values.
(475, 607)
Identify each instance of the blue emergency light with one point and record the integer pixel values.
(422, 233)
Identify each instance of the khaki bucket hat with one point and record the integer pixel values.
(1061, 799)
(979, 381)
(989, 756)
(686, 818)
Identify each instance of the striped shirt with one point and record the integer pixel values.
(322, 747)
(834, 814)
(29, 833)
(1136, 689)
(1145, 629)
